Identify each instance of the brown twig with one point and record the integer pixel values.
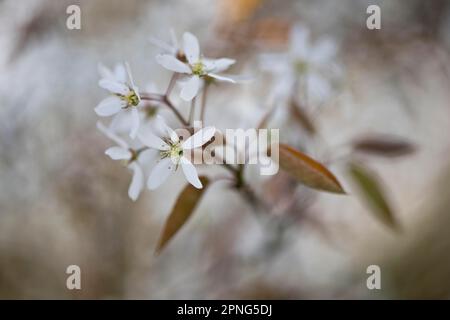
(173, 79)
(191, 111)
(165, 100)
(203, 106)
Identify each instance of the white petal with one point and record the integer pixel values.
(104, 71)
(160, 127)
(160, 173)
(199, 138)
(222, 64)
(191, 47)
(239, 78)
(134, 123)
(190, 173)
(173, 135)
(111, 135)
(152, 141)
(120, 74)
(221, 78)
(120, 123)
(137, 182)
(274, 62)
(136, 91)
(299, 41)
(118, 153)
(283, 86)
(173, 64)
(163, 130)
(130, 77)
(109, 106)
(114, 86)
(149, 157)
(190, 88)
(324, 51)
(161, 44)
(318, 86)
(208, 64)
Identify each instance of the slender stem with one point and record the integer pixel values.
(203, 106)
(230, 168)
(151, 96)
(305, 89)
(164, 99)
(244, 189)
(191, 111)
(171, 84)
(175, 111)
(238, 174)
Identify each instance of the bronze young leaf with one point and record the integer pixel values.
(383, 145)
(183, 209)
(307, 170)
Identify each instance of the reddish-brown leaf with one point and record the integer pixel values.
(307, 170)
(183, 209)
(387, 146)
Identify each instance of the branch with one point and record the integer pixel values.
(164, 99)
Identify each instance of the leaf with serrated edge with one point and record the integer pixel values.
(373, 194)
(183, 209)
(307, 170)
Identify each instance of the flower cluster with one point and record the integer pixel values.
(136, 112)
(147, 146)
(150, 142)
(194, 66)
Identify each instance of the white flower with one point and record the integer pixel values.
(168, 48)
(311, 63)
(124, 96)
(125, 153)
(195, 66)
(118, 74)
(172, 153)
(123, 121)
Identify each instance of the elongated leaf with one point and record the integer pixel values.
(372, 192)
(303, 119)
(183, 209)
(387, 146)
(307, 170)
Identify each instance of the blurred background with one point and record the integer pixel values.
(63, 202)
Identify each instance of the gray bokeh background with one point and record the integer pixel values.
(62, 201)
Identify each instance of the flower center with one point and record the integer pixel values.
(131, 98)
(198, 69)
(175, 151)
(300, 66)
